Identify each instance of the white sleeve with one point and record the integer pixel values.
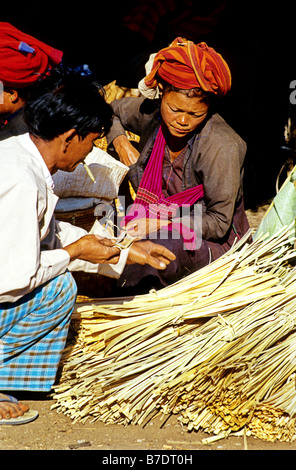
(22, 266)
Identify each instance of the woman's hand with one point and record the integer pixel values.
(99, 250)
(140, 228)
(127, 153)
(94, 249)
(147, 252)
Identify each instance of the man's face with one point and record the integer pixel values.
(75, 151)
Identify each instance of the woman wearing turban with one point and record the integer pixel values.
(188, 170)
(23, 61)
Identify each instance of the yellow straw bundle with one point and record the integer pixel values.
(216, 349)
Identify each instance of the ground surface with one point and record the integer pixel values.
(54, 431)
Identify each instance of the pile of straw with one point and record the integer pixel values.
(218, 349)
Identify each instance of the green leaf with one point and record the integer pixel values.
(282, 211)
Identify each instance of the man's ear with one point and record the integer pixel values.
(13, 94)
(68, 137)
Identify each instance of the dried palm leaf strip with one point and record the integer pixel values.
(178, 364)
(250, 380)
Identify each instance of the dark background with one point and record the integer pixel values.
(258, 40)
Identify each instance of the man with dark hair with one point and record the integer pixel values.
(58, 97)
(64, 115)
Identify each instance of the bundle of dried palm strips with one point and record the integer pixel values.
(218, 349)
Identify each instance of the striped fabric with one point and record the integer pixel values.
(187, 65)
(33, 332)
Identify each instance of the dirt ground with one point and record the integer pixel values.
(54, 431)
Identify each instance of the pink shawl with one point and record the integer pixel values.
(150, 201)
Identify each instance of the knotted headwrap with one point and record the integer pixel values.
(187, 65)
(23, 59)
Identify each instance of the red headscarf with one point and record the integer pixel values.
(23, 59)
(187, 65)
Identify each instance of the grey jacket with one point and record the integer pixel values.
(214, 158)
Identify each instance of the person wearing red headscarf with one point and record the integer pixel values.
(187, 171)
(24, 60)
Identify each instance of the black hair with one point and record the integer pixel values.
(204, 96)
(67, 100)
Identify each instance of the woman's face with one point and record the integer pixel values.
(182, 114)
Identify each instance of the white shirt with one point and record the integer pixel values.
(30, 238)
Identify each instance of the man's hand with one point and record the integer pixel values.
(125, 150)
(94, 249)
(147, 252)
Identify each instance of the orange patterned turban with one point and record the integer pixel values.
(187, 65)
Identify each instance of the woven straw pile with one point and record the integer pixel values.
(217, 349)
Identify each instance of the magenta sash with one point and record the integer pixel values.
(150, 201)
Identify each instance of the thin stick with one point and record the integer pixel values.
(88, 171)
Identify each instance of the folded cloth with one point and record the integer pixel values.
(23, 59)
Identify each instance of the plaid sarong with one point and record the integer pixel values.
(33, 333)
